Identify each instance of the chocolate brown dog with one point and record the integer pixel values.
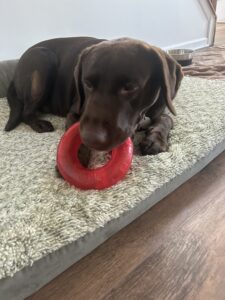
(110, 86)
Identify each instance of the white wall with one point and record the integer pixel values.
(220, 10)
(165, 23)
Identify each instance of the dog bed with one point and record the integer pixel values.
(46, 225)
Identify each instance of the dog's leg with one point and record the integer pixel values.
(33, 102)
(16, 108)
(72, 117)
(30, 118)
(37, 124)
(33, 80)
(156, 136)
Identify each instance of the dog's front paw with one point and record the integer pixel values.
(41, 126)
(153, 143)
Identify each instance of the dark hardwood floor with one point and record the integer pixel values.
(176, 250)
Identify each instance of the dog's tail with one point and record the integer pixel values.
(16, 108)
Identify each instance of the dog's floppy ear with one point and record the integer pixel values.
(170, 75)
(80, 95)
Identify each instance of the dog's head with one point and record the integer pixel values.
(117, 82)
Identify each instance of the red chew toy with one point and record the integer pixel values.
(76, 174)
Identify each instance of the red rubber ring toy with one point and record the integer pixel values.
(100, 178)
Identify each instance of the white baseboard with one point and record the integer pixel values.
(194, 44)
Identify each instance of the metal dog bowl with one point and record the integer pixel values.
(182, 56)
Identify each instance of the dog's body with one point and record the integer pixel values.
(108, 85)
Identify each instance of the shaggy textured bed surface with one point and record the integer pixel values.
(40, 213)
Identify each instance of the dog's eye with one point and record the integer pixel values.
(129, 88)
(88, 84)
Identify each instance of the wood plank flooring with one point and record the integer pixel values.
(176, 250)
